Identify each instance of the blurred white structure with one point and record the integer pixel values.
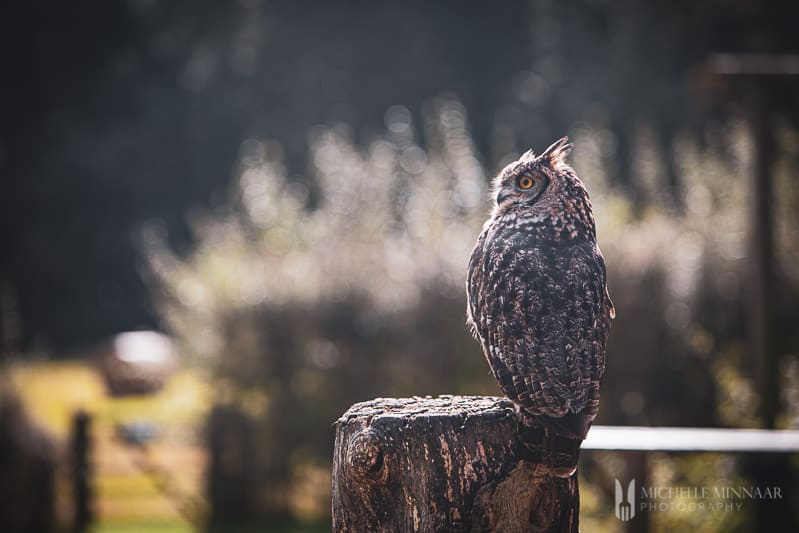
(137, 362)
(678, 439)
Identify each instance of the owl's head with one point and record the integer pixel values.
(545, 190)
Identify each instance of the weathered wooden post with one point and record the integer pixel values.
(443, 464)
(81, 449)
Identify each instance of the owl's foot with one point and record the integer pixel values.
(532, 438)
(561, 455)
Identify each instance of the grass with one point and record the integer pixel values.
(128, 496)
(53, 391)
(144, 527)
(157, 489)
(170, 528)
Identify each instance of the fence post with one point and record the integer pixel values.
(81, 446)
(442, 464)
(231, 480)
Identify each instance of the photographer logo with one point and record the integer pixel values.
(625, 502)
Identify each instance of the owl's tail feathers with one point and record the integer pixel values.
(557, 453)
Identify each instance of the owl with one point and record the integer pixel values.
(538, 303)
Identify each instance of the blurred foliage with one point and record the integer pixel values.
(119, 112)
(299, 310)
(303, 296)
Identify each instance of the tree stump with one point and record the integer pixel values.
(443, 464)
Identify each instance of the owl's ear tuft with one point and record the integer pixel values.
(529, 155)
(556, 154)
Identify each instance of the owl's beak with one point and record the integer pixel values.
(502, 194)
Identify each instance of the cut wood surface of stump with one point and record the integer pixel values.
(442, 464)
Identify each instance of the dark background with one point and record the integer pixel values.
(115, 113)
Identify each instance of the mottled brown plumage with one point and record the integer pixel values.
(538, 302)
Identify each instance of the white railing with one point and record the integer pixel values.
(677, 439)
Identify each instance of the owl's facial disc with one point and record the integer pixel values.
(525, 187)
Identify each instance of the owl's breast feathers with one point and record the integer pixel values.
(541, 313)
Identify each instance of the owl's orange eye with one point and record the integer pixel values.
(525, 182)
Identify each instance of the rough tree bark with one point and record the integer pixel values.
(442, 464)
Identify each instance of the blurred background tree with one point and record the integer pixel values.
(292, 190)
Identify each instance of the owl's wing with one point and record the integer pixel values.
(543, 317)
